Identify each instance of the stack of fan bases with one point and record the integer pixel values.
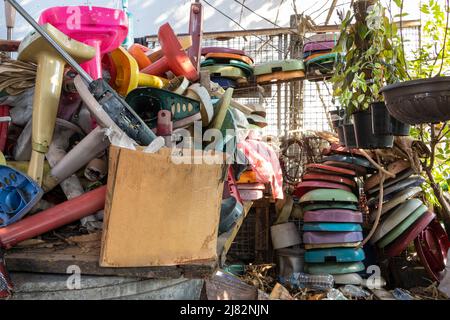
(332, 228)
(403, 217)
(229, 68)
(280, 71)
(318, 56)
(250, 189)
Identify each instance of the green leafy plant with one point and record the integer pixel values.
(432, 58)
(369, 57)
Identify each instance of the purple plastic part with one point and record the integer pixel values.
(251, 195)
(318, 46)
(334, 215)
(196, 32)
(331, 237)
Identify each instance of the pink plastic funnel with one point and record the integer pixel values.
(102, 28)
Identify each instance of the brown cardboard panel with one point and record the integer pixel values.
(159, 213)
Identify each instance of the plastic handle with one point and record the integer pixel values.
(10, 14)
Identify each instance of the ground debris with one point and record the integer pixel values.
(428, 293)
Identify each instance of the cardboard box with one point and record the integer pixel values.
(159, 213)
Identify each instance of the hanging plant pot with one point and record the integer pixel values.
(381, 120)
(365, 139)
(349, 135)
(340, 133)
(419, 101)
(383, 123)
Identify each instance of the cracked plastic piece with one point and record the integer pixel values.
(18, 195)
(147, 102)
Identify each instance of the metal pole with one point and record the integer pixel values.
(10, 16)
(52, 42)
(280, 57)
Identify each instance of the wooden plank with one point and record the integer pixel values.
(226, 239)
(57, 260)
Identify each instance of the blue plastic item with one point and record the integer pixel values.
(332, 227)
(18, 195)
(129, 40)
(334, 255)
(230, 212)
(224, 82)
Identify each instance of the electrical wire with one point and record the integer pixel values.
(243, 28)
(242, 12)
(338, 5)
(323, 6)
(257, 14)
(278, 11)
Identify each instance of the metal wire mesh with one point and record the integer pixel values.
(278, 98)
(262, 49)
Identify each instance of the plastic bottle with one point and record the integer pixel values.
(335, 294)
(401, 294)
(310, 281)
(354, 291)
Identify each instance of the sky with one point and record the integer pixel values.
(150, 14)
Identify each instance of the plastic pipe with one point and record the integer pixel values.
(71, 186)
(10, 15)
(53, 218)
(196, 32)
(89, 148)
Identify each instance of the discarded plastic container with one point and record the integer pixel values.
(102, 28)
(18, 194)
(309, 281)
(53, 218)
